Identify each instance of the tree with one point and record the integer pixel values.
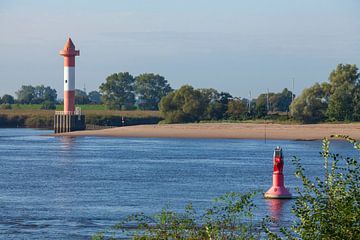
(44, 94)
(150, 88)
(237, 109)
(7, 99)
(94, 97)
(225, 97)
(118, 91)
(341, 103)
(25, 94)
(344, 81)
(344, 73)
(261, 105)
(183, 105)
(216, 103)
(35, 95)
(311, 105)
(280, 102)
(356, 104)
(81, 97)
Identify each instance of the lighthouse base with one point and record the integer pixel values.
(68, 122)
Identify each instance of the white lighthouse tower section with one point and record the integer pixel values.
(69, 78)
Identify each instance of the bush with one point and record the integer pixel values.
(327, 208)
(48, 105)
(225, 219)
(5, 106)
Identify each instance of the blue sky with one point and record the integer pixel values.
(230, 45)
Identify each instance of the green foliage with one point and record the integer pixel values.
(344, 73)
(7, 99)
(81, 97)
(116, 120)
(273, 102)
(28, 94)
(216, 103)
(208, 104)
(311, 105)
(228, 218)
(261, 108)
(356, 104)
(118, 91)
(237, 109)
(5, 106)
(341, 103)
(280, 102)
(94, 97)
(328, 207)
(48, 105)
(337, 100)
(345, 84)
(183, 105)
(25, 94)
(33, 116)
(150, 88)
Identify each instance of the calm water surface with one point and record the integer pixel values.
(70, 188)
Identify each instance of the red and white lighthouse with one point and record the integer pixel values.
(69, 54)
(69, 120)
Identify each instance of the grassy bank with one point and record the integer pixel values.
(36, 118)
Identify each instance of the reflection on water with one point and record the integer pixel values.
(276, 208)
(66, 143)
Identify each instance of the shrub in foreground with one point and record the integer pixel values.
(230, 217)
(327, 207)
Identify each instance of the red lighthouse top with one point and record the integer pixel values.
(69, 49)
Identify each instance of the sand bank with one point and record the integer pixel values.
(228, 130)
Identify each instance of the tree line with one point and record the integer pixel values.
(335, 100)
(120, 91)
(153, 92)
(191, 105)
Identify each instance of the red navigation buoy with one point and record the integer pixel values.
(278, 189)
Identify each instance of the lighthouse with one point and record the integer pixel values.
(70, 119)
(69, 54)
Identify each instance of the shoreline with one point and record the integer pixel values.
(270, 131)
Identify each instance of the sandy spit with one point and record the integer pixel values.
(227, 130)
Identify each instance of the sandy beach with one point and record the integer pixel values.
(227, 130)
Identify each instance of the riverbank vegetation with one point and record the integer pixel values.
(37, 118)
(336, 100)
(327, 207)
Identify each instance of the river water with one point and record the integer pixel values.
(70, 188)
